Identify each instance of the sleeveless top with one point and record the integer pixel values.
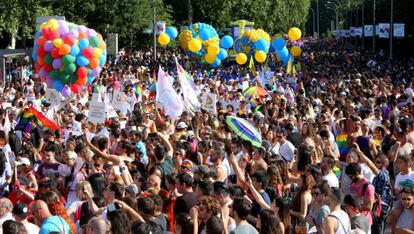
(344, 223)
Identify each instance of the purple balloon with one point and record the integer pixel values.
(42, 72)
(49, 81)
(57, 63)
(66, 91)
(82, 28)
(91, 33)
(48, 46)
(96, 71)
(63, 28)
(74, 33)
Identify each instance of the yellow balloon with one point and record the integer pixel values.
(213, 49)
(260, 56)
(194, 45)
(163, 39)
(210, 58)
(294, 33)
(295, 51)
(97, 52)
(58, 42)
(241, 58)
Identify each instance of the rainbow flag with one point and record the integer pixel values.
(23, 120)
(138, 89)
(342, 141)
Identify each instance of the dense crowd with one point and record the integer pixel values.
(336, 152)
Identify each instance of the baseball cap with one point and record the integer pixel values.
(23, 161)
(132, 188)
(21, 210)
(190, 134)
(181, 125)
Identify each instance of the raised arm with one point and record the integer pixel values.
(166, 142)
(109, 157)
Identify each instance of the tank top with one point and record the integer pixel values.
(344, 224)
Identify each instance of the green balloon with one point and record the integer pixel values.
(48, 59)
(70, 68)
(54, 75)
(65, 79)
(72, 27)
(94, 41)
(73, 78)
(68, 59)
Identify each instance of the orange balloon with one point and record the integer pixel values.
(40, 61)
(102, 45)
(41, 41)
(82, 35)
(64, 49)
(94, 63)
(82, 80)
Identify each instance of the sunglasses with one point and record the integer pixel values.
(315, 194)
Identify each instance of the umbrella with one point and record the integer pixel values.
(244, 129)
(256, 90)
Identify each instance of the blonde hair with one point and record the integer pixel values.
(84, 185)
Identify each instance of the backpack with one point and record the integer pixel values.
(15, 142)
(377, 207)
(383, 188)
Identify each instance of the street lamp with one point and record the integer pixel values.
(334, 7)
(313, 22)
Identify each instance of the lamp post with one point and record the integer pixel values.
(317, 15)
(391, 26)
(335, 8)
(373, 27)
(313, 22)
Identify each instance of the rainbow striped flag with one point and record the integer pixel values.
(342, 141)
(138, 89)
(23, 120)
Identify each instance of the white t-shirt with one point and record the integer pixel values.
(403, 178)
(31, 228)
(287, 151)
(4, 219)
(332, 180)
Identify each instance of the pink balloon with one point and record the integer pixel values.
(91, 33)
(74, 33)
(82, 28)
(117, 85)
(63, 28)
(48, 46)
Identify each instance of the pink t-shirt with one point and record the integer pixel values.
(356, 188)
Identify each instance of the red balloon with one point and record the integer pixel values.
(55, 52)
(41, 52)
(88, 53)
(76, 88)
(46, 31)
(82, 72)
(68, 39)
(82, 80)
(47, 68)
(37, 67)
(53, 35)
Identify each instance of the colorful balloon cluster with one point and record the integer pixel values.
(201, 41)
(68, 56)
(280, 45)
(253, 42)
(170, 34)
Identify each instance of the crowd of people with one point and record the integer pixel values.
(336, 153)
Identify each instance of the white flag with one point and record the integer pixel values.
(187, 88)
(167, 97)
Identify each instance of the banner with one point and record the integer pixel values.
(368, 30)
(53, 97)
(384, 30)
(352, 31)
(96, 112)
(118, 100)
(399, 30)
(160, 27)
(209, 102)
(358, 31)
(377, 31)
(109, 109)
(167, 97)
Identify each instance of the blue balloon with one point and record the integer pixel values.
(278, 43)
(82, 61)
(90, 80)
(226, 42)
(222, 54)
(172, 32)
(34, 56)
(271, 49)
(102, 61)
(205, 34)
(261, 44)
(74, 50)
(283, 53)
(58, 85)
(286, 60)
(216, 63)
(83, 43)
